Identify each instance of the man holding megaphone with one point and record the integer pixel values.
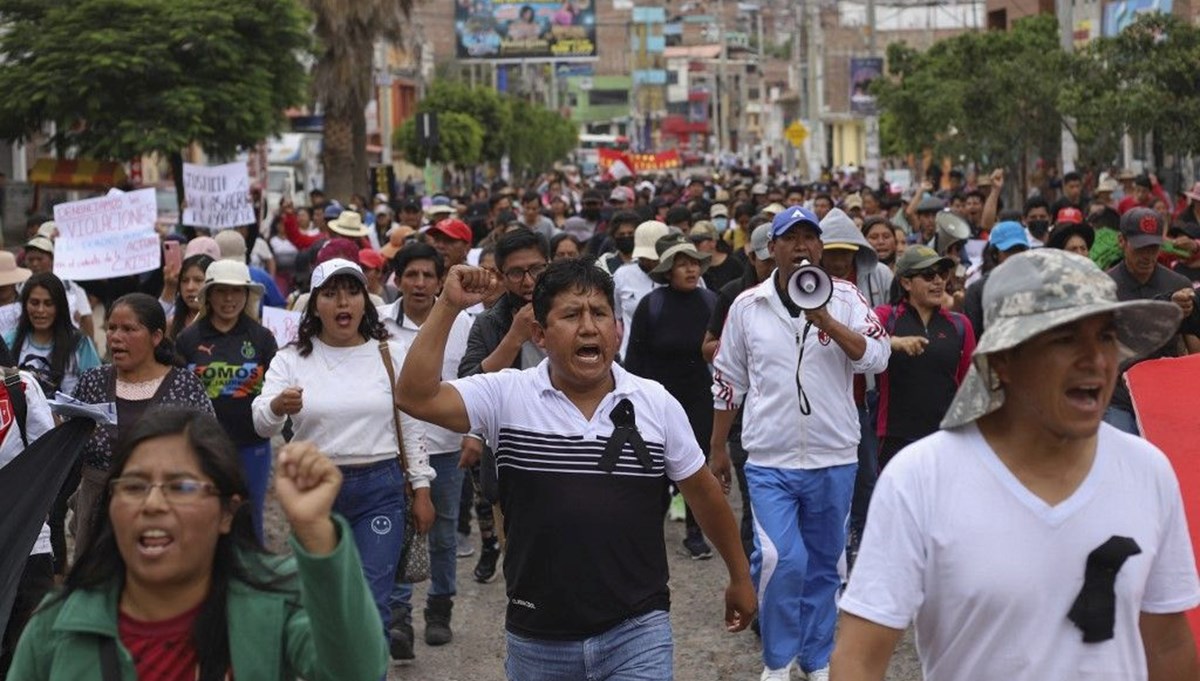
(792, 344)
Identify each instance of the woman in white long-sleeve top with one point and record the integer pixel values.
(334, 386)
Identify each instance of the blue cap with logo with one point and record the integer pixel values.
(1008, 235)
(791, 217)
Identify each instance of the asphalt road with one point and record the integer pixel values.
(704, 651)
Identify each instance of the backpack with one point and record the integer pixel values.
(16, 395)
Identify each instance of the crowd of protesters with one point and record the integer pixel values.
(576, 364)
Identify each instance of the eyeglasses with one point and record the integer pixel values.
(516, 275)
(180, 492)
(930, 275)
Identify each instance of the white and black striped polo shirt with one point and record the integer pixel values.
(585, 546)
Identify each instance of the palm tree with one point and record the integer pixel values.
(347, 31)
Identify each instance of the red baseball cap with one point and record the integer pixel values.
(1069, 215)
(453, 228)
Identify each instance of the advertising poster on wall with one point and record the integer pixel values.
(863, 70)
(525, 29)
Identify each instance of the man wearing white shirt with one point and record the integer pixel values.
(1027, 539)
(631, 282)
(419, 273)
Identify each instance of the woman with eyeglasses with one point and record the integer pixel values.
(931, 352)
(173, 583)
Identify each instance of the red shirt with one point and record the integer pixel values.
(162, 651)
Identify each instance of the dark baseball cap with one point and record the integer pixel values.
(1142, 227)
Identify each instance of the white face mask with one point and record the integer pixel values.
(721, 224)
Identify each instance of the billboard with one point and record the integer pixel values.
(863, 70)
(1119, 15)
(525, 29)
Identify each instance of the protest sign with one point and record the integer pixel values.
(109, 236)
(9, 316)
(1154, 389)
(217, 197)
(283, 324)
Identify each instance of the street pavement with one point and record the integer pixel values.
(704, 651)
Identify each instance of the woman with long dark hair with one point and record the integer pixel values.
(49, 346)
(187, 300)
(173, 582)
(229, 351)
(333, 384)
(46, 343)
(142, 375)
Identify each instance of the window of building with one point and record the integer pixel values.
(608, 98)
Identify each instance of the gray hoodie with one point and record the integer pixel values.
(874, 278)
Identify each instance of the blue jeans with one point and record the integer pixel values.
(445, 492)
(1122, 419)
(372, 501)
(256, 466)
(638, 649)
(800, 534)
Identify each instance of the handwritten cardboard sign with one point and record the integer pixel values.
(218, 197)
(283, 324)
(108, 236)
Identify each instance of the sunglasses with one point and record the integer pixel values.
(930, 275)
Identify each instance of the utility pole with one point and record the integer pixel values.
(816, 82)
(871, 162)
(762, 101)
(722, 85)
(1066, 29)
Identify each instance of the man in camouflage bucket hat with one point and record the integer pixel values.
(1027, 539)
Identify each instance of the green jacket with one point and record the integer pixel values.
(329, 631)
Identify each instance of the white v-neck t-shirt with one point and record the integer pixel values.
(989, 571)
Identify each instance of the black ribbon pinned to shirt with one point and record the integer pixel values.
(624, 431)
(1095, 608)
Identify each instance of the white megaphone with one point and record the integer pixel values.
(810, 287)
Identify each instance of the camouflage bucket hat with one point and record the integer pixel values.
(1042, 289)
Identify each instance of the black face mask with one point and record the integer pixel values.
(624, 244)
(590, 214)
(1039, 228)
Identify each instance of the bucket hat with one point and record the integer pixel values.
(231, 273)
(671, 246)
(1039, 290)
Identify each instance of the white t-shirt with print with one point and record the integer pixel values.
(989, 571)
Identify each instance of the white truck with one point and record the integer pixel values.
(293, 167)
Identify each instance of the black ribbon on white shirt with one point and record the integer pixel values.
(1095, 608)
(624, 431)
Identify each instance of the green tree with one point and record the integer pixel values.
(1144, 80)
(488, 107)
(460, 140)
(119, 78)
(987, 97)
(347, 31)
(539, 137)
